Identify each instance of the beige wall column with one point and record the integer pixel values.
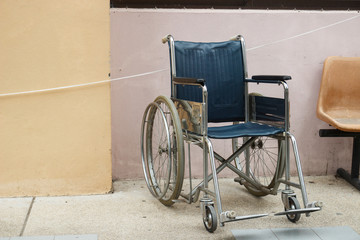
(56, 142)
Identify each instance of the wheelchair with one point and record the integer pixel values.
(210, 100)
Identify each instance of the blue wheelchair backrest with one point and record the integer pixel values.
(221, 65)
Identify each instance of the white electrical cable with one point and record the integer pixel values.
(303, 34)
(82, 84)
(161, 70)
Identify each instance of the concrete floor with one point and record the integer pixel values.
(131, 212)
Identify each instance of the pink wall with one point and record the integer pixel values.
(278, 42)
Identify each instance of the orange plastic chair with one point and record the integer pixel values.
(339, 106)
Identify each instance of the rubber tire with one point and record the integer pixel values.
(294, 204)
(177, 168)
(210, 220)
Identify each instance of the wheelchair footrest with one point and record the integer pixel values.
(301, 210)
(229, 217)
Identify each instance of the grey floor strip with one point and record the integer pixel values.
(323, 233)
(295, 234)
(77, 237)
(336, 233)
(61, 237)
(254, 234)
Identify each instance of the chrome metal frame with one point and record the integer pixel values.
(201, 139)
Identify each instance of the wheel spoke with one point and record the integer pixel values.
(262, 164)
(163, 160)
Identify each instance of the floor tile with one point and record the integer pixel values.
(77, 237)
(61, 237)
(13, 212)
(335, 233)
(33, 238)
(254, 234)
(295, 234)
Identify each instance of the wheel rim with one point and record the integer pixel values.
(293, 205)
(162, 150)
(210, 218)
(159, 151)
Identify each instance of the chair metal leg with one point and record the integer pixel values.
(355, 158)
(353, 178)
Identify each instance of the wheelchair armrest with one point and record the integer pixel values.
(271, 77)
(189, 81)
(268, 78)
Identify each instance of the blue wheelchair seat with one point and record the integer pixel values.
(248, 129)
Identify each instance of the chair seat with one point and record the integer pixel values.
(346, 119)
(248, 129)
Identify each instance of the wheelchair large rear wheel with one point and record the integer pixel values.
(162, 150)
(264, 164)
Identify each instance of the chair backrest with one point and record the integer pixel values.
(339, 96)
(221, 64)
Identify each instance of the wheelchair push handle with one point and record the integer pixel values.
(236, 38)
(166, 38)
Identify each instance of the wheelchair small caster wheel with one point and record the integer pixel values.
(210, 218)
(293, 204)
